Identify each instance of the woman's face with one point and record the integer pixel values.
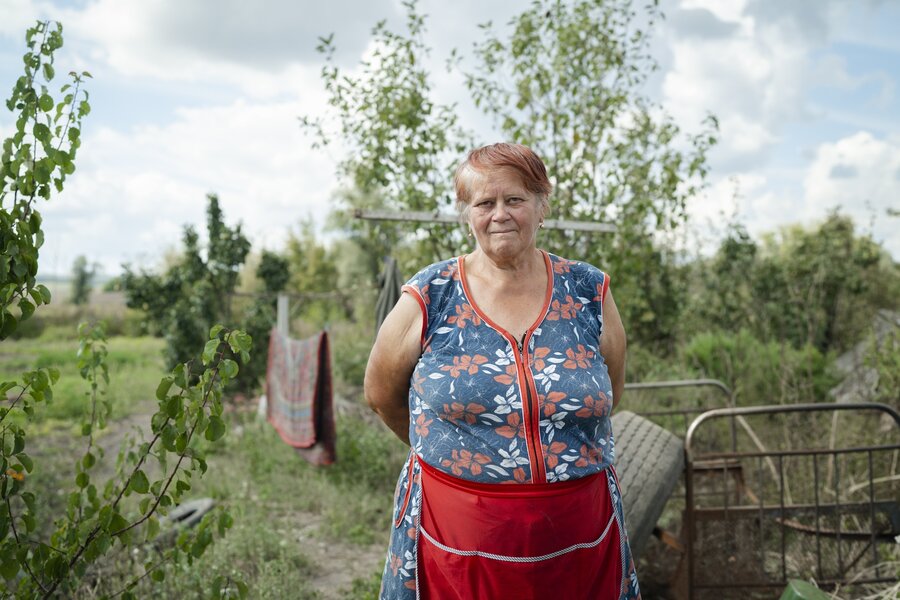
(503, 215)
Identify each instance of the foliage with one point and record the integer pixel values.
(400, 144)
(274, 271)
(883, 355)
(35, 160)
(761, 372)
(568, 83)
(314, 277)
(82, 274)
(818, 286)
(194, 293)
(97, 521)
(259, 317)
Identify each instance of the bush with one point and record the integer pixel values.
(761, 372)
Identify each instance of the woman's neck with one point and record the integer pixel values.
(503, 270)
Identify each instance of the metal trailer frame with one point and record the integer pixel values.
(782, 518)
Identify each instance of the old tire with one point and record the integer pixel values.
(649, 461)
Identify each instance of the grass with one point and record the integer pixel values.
(295, 523)
(135, 367)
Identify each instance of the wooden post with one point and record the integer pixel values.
(437, 217)
(282, 322)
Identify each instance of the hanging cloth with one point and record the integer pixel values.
(299, 395)
(390, 291)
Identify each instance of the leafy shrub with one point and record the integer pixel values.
(761, 372)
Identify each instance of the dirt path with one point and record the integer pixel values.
(337, 564)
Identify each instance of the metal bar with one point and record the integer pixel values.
(451, 219)
(761, 520)
(785, 408)
(689, 517)
(837, 503)
(872, 516)
(816, 497)
(736, 455)
(748, 511)
(781, 502)
(825, 583)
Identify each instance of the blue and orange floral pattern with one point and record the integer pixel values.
(491, 409)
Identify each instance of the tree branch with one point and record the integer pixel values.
(12, 522)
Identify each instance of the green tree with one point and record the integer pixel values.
(822, 285)
(35, 160)
(818, 286)
(568, 83)
(401, 144)
(193, 294)
(82, 275)
(314, 277)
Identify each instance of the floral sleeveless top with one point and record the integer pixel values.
(492, 409)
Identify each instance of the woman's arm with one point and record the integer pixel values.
(394, 356)
(612, 346)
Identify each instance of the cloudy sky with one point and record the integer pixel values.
(203, 96)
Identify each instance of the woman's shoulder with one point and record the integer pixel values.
(577, 269)
(436, 274)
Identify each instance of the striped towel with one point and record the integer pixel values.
(298, 389)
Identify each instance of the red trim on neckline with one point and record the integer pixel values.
(548, 295)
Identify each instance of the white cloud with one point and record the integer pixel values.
(133, 191)
(866, 196)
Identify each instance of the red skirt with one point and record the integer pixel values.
(535, 541)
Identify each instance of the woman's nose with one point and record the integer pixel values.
(500, 213)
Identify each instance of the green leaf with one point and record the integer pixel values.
(53, 372)
(216, 429)
(26, 307)
(8, 325)
(89, 460)
(225, 522)
(29, 522)
(209, 351)
(152, 528)
(139, 482)
(117, 523)
(26, 461)
(45, 102)
(48, 71)
(157, 575)
(82, 480)
(45, 293)
(163, 388)
(173, 406)
(42, 132)
(9, 568)
(229, 369)
(215, 331)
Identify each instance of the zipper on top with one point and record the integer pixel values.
(530, 412)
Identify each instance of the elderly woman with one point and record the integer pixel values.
(502, 367)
